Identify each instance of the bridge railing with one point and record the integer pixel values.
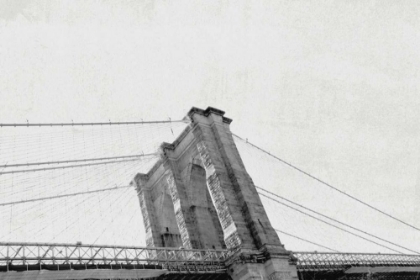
(78, 255)
(310, 261)
(30, 256)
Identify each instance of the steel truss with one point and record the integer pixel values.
(78, 256)
(36, 256)
(314, 261)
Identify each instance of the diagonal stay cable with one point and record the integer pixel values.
(337, 227)
(63, 195)
(112, 216)
(337, 221)
(75, 206)
(305, 240)
(33, 151)
(75, 160)
(326, 184)
(69, 166)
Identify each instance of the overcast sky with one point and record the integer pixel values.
(330, 86)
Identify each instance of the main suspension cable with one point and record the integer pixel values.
(305, 240)
(326, 184)
(89, 124)
(332, 219)
(325, 222)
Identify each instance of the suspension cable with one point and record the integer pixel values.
(61, 196)
(332, 219)
(89, 124)
(326, 184)
(68, 166)
(305, 240)
(76, 160)
(342, 229)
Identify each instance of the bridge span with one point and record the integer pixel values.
(62, 261)
(204, 220)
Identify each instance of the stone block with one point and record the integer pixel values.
(213, 200)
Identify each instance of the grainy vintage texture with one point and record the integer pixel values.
(204, 162)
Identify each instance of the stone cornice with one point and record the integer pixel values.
(207, 112)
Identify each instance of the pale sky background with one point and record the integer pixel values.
(330, 86)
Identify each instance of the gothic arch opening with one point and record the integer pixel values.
(208, 224)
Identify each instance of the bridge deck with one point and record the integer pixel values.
(311, 261)
(175, 263)
(71, 256)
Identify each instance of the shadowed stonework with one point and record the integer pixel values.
(213, 201)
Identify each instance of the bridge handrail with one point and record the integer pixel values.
(16, 253)
(353, 253)
(106, 246)
(337, 260)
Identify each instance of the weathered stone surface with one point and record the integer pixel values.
(148, 212)
(179, 212)
(157, 210)
(280, 268)
(230, 230)
(211, 233)
(213, 200)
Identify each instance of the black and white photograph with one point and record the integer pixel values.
(210, 140)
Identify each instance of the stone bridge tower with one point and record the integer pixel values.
(199, 195)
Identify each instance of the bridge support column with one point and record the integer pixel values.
(151, 224)
(273, 269)
(234, 195)
(245, 224)
(185, 218)
(241, 218)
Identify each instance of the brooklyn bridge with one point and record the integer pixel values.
(203, 216)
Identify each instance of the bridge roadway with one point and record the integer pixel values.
(76, 261)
